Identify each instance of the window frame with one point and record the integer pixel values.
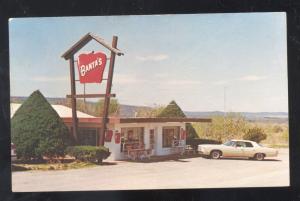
(176, 132)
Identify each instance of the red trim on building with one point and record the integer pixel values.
(114, 120)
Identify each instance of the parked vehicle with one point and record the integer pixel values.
(237, 148)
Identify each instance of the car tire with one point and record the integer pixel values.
(215, 154)
(259, 156)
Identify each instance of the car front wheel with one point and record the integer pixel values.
(259, 156)
(215, 154)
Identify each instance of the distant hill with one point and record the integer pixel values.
(279, 117)
(130, 111)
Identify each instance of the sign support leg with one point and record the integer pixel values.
(73, 100)
(107, 94)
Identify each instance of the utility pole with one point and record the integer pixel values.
(224, 114)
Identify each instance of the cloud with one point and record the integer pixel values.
(221, 82)
(158, 57)
(162, 81)
(50, 79)
(252, 78)
(182, 82)
(161, 75)
(126, 79)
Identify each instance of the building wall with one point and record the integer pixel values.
(115, 149)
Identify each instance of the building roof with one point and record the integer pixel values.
(162, 119)
(113, 120)
(66, 114)
(62, 111)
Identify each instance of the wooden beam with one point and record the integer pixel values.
(102, 42)
(90, 95)
(108, 90)
(73, 100)
(77, 46)
(164, 119)
(84, 40)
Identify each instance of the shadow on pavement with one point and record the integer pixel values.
(245, 159)
(174, 158)
(108, 163)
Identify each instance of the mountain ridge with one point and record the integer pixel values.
(130, 110)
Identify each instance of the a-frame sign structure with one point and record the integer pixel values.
(69, 55)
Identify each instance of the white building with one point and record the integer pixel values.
(129, 137)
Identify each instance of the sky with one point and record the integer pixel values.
(205, 62)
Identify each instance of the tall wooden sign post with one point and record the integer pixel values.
(108, 91)
(98, 62)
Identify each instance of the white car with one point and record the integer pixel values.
(237, 148)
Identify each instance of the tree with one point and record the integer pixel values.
(173, 110)
(255, 134)
(233, 125)
(114, 107)
(37, 130)
(277, 129)
(149, 112)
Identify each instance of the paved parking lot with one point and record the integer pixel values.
(184, 173)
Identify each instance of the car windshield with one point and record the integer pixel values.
(229, 143)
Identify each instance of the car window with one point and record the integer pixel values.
(248, 144)
(240, 144)
(230, 143)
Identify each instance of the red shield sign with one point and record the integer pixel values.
(117, 138)
(91, 67)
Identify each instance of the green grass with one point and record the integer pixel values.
(52, 166)
(277, 133)
(278, 145)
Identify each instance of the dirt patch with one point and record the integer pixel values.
(178, 158)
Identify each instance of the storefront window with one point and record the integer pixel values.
(170, 136)
(132, 137)
(87, 136)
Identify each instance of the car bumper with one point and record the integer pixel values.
(272, 155)
(204, 153)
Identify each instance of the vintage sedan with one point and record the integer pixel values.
(237, 148)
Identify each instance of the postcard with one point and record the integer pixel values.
(183, 101)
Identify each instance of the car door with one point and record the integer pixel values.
(239, 149)
(231, 151)
(249, 149)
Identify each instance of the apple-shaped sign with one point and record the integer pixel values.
(91, 67)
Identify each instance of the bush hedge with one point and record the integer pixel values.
(88, 153)
(255, 134)
(196, 141)
(37, 130)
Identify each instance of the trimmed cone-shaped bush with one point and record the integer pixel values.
(37, 130)
(173, 110)
(191, 132)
